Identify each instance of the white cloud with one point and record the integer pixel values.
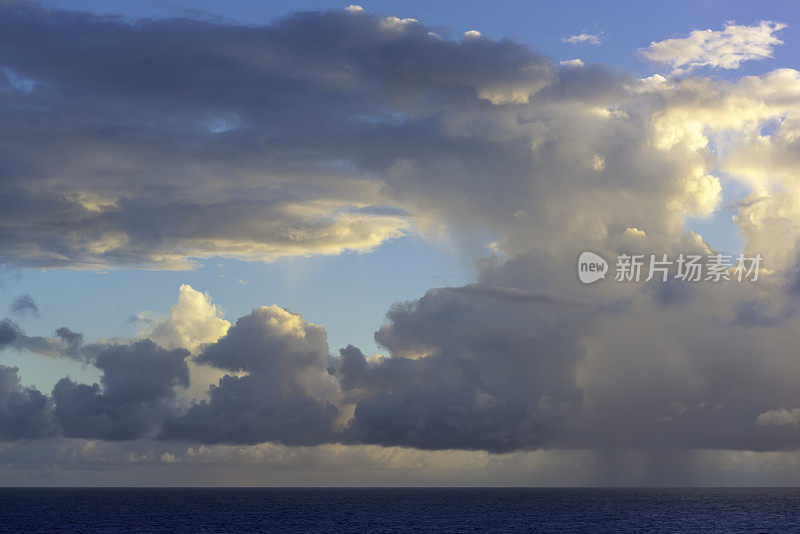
(192, 322)
(396, 23)
(782, 417)
(725, 49)
(634, 233)
(583, 38)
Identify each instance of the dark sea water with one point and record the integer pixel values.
(400, 510)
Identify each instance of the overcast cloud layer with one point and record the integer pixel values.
(154, 143)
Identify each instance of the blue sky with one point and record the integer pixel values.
(626, 26)
(346, 293)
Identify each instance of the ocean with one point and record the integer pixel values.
(728, 510)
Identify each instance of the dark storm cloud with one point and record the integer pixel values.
(24, 412)
(136, 391)
(469, 372)
(134, 396)
(476, 379)
(25, 304)
(286, 395)
(280, 388)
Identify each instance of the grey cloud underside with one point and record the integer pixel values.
(468, 370)
(154, 142)
(285, 397)
(25, 413)
(490, 390)
(11, 336)
(137, 386)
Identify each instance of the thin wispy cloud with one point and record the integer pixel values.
(24, 304)
(593, 39)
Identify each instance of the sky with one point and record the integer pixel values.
(239, 286)
(310, 243)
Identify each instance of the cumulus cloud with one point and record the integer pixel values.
(191, 323)
(724, 49)
(24, 412)
(470, 372)
(138, 382)
(286, 394)
(491, 369)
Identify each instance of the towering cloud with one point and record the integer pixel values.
(286, 394)
(472, 371)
